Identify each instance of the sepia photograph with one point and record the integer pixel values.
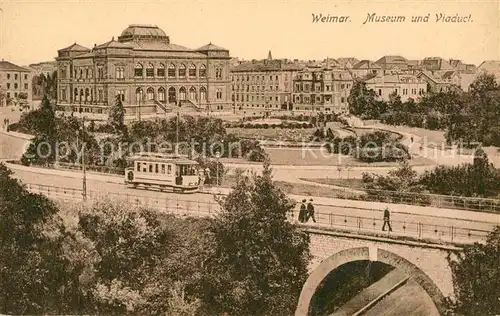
(250, 158)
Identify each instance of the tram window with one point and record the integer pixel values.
(156, 168)
(138, 166)
(163, 168)
(169, 169)
(151, 167)
(144, 167)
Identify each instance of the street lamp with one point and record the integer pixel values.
(339, 169)
(217, 155)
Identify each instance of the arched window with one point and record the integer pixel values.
(171, 71)
(120, 73)
(150, 94)
(81, 95)
(150, 70)
(87, 94)
(81, 73)
(161, 94)
(182, 71)
(182, 94)
(139, 95)
(172, 95)
(203, 94)
(203, 71)
(160, 71)
(192, 94)
(192, 70)
(76, 94)
(138, 70)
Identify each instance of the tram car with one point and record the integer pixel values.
(165, 172)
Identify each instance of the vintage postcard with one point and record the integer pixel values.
(256, 158)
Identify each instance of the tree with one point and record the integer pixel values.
(257, 263)
(116, 115)
(34, 273)
(476, 277)
(145, 261)
(362, 101)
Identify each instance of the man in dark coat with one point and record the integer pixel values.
(310, 211)
(387, 221)
(303, 212)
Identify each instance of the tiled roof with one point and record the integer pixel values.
(212, 47)
(392, 60)
(391, 79)
(490, 66)
(366, 64)
(8, 66)
(448, 74)
(75, 48)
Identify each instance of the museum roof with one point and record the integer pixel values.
(113, 44)
(75, 48)
(211, 47)
(143, 30)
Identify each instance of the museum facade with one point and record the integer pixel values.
(147, 72)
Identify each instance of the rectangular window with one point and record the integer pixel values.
(151, 167)
(169, 170)
(8, 85)
(144, 167)
(379, 92)
(26, 76)
(15, 85)
(25, 86)
(138, 166)
(138, 72)
(15, 76)
(171, 72)
(192, 72)
(218, 73)
(150, 72)
(160, 72)
(8, 76)
(163, 168)
(156, 168)
(219, 94)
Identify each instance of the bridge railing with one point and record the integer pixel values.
(324, 219)
(421, 199)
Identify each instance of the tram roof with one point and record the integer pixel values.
(162, 157)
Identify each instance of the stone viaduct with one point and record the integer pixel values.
(425, 263)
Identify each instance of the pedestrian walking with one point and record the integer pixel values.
(411, 139)
(310, 211)
(303, 212)
(387, 219)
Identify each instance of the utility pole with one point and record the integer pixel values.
(84, 193)
(177, 131)
(140, 99)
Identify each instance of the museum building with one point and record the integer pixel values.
(147, 72)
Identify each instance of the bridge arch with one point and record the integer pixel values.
(336, 260)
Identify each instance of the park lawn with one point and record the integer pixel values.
(320, 157)
(293, 188)
(349, 183)
(283, 134)
(430, 137)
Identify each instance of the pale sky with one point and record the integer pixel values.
(33, 31)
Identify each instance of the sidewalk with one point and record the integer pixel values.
(17, 135)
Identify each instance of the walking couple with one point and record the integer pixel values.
(306, 212)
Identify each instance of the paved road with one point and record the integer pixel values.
(336, 216)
